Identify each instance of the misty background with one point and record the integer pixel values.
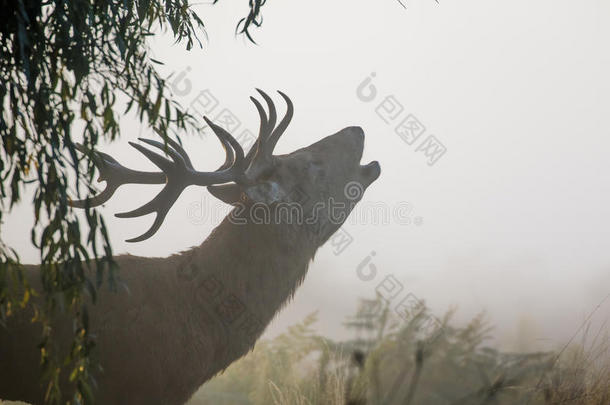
(513, 219)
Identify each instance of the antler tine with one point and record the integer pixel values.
(229, 155)
(100, 159)
(97, 200)
(115, 175)
(233, 149)
(239, 161)
(260, 151)
(279, 130)
(177, 147)
(159, 218)
(160, 205)
(272, 112)
(160, 161)
(267, 125)
(263, 132)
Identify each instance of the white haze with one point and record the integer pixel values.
(516, 214)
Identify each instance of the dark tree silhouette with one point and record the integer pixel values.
(62, 65)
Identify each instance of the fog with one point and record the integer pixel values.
(512, 219)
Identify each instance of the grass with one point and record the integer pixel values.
(422, 360)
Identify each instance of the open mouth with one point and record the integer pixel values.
(371, 171)
(355, 141)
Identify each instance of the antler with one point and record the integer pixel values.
(177, 174)
(260, 156)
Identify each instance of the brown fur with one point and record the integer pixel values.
(189, 316)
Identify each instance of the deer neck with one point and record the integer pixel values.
(250, 269)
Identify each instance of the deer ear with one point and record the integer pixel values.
(228, 193)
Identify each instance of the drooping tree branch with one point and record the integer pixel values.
(68, 70)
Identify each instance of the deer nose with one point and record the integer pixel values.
(355, 138)
(357, 133)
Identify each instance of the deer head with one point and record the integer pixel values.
(325, 179)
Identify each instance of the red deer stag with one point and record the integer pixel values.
(190, 315)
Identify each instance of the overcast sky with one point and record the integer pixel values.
(513, 218)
